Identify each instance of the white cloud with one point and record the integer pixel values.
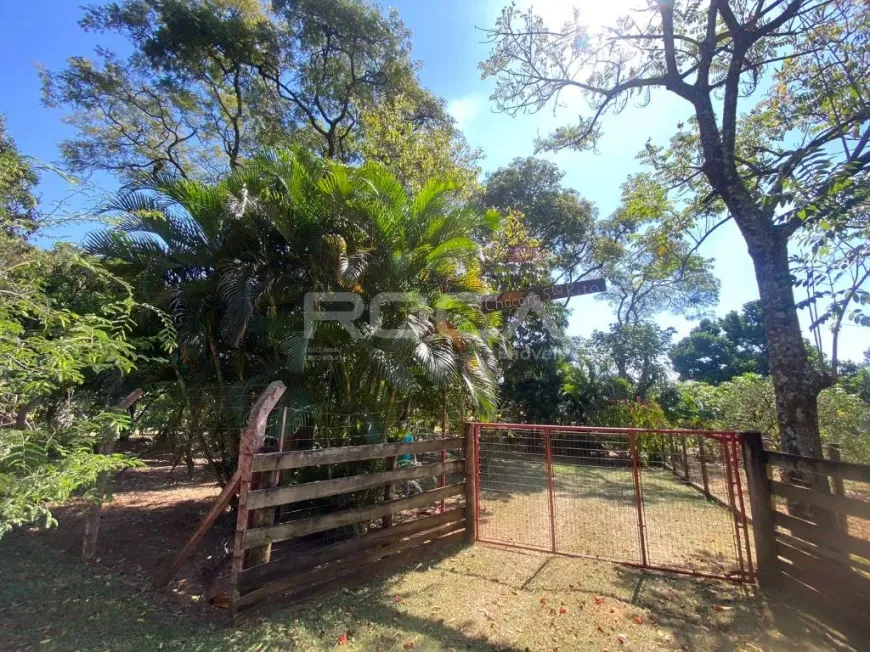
(465, 109)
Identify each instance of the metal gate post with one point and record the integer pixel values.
(476, 436)
(547, 445)
(638, 497)
(738, 487)
(732, 503)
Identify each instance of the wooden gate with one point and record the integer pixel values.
(349, 526)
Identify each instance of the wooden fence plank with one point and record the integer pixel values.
(300, 459)
(276, 569)
(284, 531)
(843, 470)
(347, 565)
(825, 539)
(831, 573)
(763, 529)
(323, 488)
(851, 506)
(362, 573)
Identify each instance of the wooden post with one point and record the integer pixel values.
(252, 438)
(839, 489)
(685, 460)
(95, 511)
(701, 456)
(763, 527)
(671, 449)
(470, 485)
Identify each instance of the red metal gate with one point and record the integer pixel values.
(660, 499)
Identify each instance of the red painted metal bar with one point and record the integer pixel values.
(625, 431)
(737, 458)
(633, 564)
(729, 482)
(549, 451)
(476, 463)
(638, 498)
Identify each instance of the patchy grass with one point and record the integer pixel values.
(477, 598)
(596, 514)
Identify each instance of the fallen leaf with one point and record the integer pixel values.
(639, 620)
(563, 610)
(342, 639)
(719, 607)
(622, 638)
(409, 644)
(599, 600)
(543, 600)
(397, 598)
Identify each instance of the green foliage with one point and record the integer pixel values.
(54, 363)
(636, 353)
(208, 84)
(232, 262)
(718, 350)
(17, 181)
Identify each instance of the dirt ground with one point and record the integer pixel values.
(478, 597)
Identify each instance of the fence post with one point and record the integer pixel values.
(701, 455)
(763, 527)
(252, 438)
(638, 496)
(470, 485)
(839, 489)
(685, 458)
(552, 502)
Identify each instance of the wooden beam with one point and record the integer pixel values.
(346, 565)
(328, 582)
(830, 576)
(299, 563)
(252, 437)
(851, 506)
(284, 531)
(217, 508)
(323, 488)
(763, 529)
(842, 470)
(300, 459)
(829, 541)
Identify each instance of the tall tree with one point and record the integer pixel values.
(650, 266)
(804, 61)
(210, 82)
(717, 350)
(560, 220)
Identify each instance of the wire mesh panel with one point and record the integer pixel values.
(665, 499)
(690, 523)
(513, 501)
(594, 495)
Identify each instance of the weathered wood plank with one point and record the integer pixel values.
(470, 483)
(763, 529)
(300, 459)
(827, 541)
(284, 531)
(323, 488)
(830, 573)
(274, 570)
(843, 470)
(358, 573)
(346, 565)
(851, 506)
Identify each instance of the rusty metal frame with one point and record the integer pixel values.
(729, 441)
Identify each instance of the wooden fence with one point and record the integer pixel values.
(402, 535)
(816, 556)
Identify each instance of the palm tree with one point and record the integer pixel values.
(231, 263)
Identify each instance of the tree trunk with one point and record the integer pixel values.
(796, 384)
(95, 511)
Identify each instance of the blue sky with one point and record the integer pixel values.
(447, 41)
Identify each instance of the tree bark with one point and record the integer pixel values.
(95, 512)
(796, 384)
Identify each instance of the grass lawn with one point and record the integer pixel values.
(475, 598)
(596, 514)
